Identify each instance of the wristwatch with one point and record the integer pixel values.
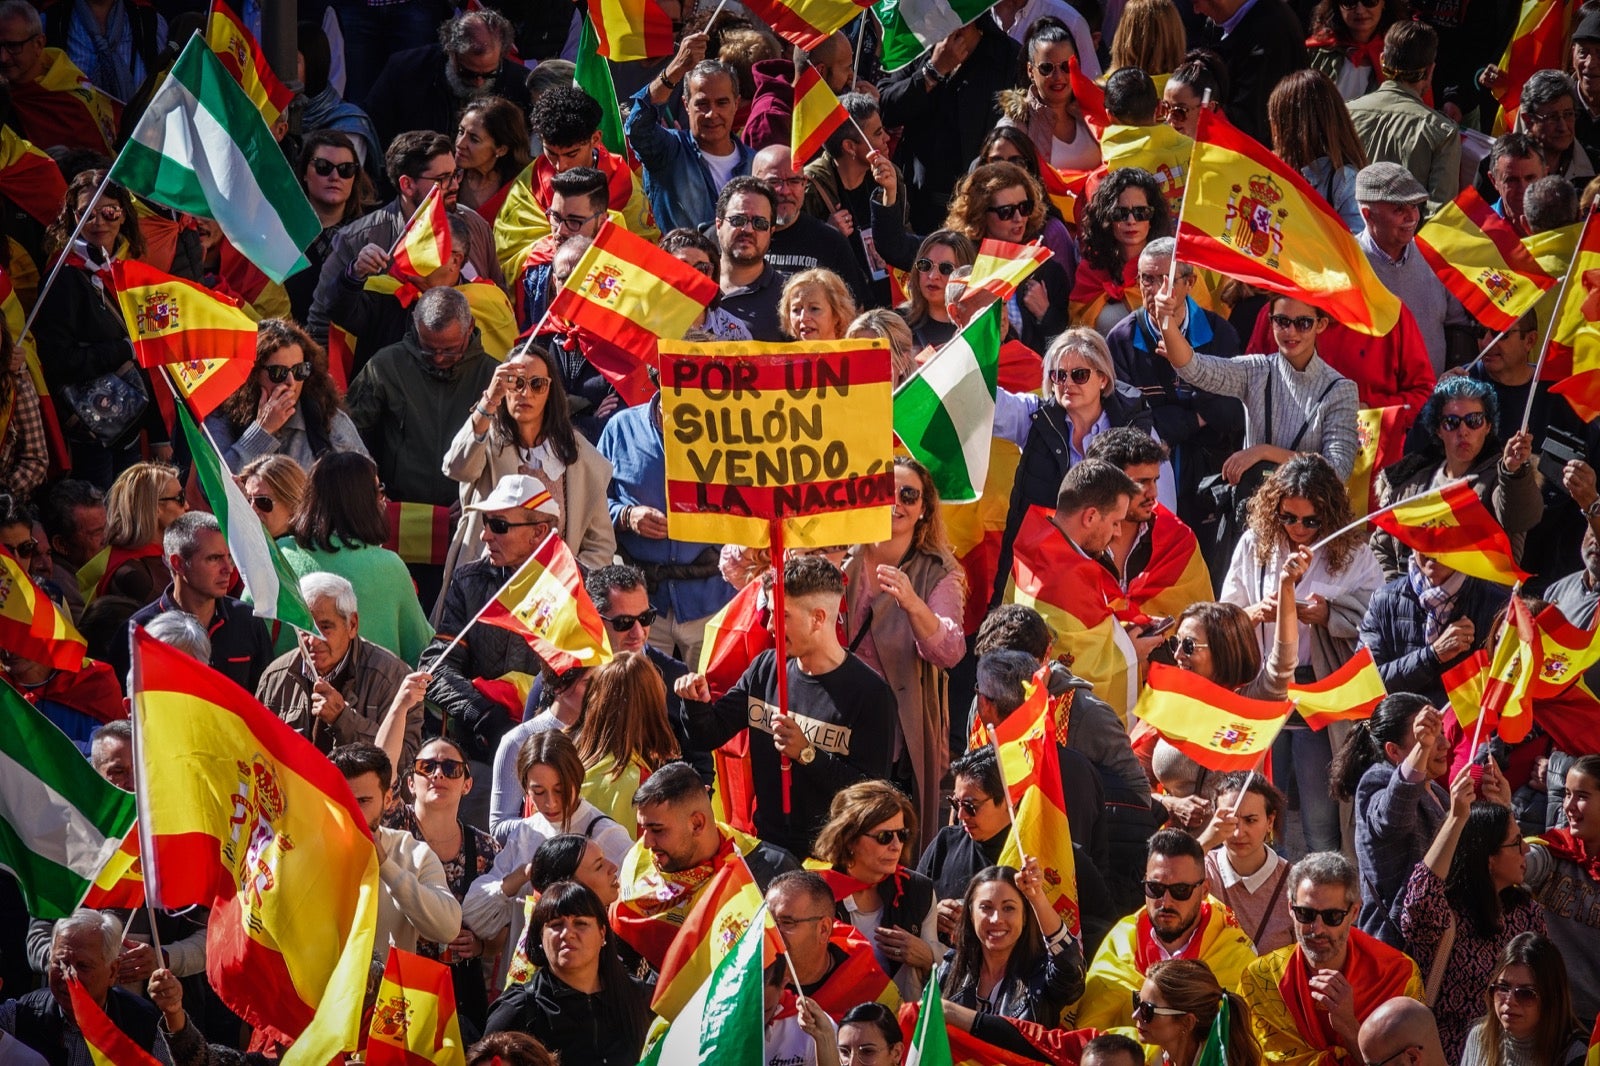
(1593, 509)
(808, 755)
(930, 71)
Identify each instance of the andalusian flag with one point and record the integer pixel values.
(243, 815)
(805, 23)
(911, 27)
(425, 244)
(817, 114)
(60, 821)
(1575, 344)
(174, 320)
(1380, 440)
(1251, 216)
(236, 46)
(1002, 266)
(930, 1044)
(546, 605)
(414, 1017)
(108, 1045)
(1538, 43)
(1219, 729)
(631, 29)
(270, 584)
(30, 179)
(202, 148)
(31, 626)
(944, 413)
(1030, 766)
(724, 909)
(1482, 261)
(1349, 694)
(592, 74)
(724, 1022)
(1452, 525)
(1214, 1052)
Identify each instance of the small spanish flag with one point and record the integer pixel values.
(1380, 440)
(1066, 189)
(1537, 43)
(31, 626)
(1002, 266)
(173, 320)
(631, 29)
(1568, 651)
(545, 603)
(1090, 98)
(425, 244)
(1348, 694)
(1575, 344)
(108, 1045)
(1482, 261)
(805, 23)
(817, 114)
(1030, 766)
(1452, 525)
(120, 882)
(241, 55)
(418, 532)
(414, 1017)
(1507, 695)
(1582, 393)
(1463, 687)
(1219, 729)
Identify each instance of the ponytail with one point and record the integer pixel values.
(1364, 747)
(1242, 1047)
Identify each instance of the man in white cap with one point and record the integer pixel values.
(517, 516)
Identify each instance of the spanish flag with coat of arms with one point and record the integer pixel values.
(1219, 729)
(545, 604)
(1452, 525)
(414, 1017)
(1030, 766)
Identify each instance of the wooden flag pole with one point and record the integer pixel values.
(780, 640)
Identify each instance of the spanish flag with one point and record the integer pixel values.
(1066, 189)
(341, 355)
(734, 636)
(236, 46)
(1482, 261)
(1538, 43)
(414, 1017)
(1219, 729)
(418, 532)
(241, 814)
(1575, 344)
(172, 320)
(1463, 687)
(425, 244)
(1348, 694)
(545, 604)
(1568, 651)
(31, 626)
(1030, 765)
(108, 1045)
(721, 913)
(1452, 525)
(1582, 393)
(1090, 98)
(1381, 440)
(817, 114)
(1251, 216)
(1176, 574)
(631, 29)
(1159, 149)
(30, 179)
(120, 882)
(205, 383)
(1507, 695)
(1002, 266)
(805, 23)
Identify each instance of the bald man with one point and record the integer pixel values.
(801, 241)
(1401, 1032)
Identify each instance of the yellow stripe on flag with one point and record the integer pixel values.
(1030, 766)
(1216, 728)
(1350, 693)
(817, 114)
(414, 1015)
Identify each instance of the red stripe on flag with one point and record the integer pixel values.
(779, 501)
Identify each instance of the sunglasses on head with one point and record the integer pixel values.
(279, 374)
(1305, 521)
(1185, 645)
(1078, 375)
(885, 837)
(500, 527)
(1144, 1012)
(263, 504)
(1472, 420)
(1300, 323)
(1047, 70)
(1523, 994)
(1007, 212)
(324, 167)
(1178, 890)
(621, 623)
(451, 768)
(1143, 213)
(1331, 917)
(928, 266)
(909, 494)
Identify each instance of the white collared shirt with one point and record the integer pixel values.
(1252, 882)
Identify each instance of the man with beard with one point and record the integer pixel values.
(751, 286)
(1578, 595)
(799, 241)
(425, 88)
(1308, 1000)
(1180, 920)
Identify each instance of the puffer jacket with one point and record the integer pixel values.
(1515, 500)
(1023, 109)
(1393, 631)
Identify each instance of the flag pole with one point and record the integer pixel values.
(141, 804)
(785, 765)
(1369, 516)
(713, 19)
(1188, 176)
(450, 647)
(1550, 329)
(1005, 789)
(855, 60)
(1505, 631)
(61, 260)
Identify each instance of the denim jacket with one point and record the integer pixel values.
(677, 181)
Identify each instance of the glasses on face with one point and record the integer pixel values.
(884, 837)
(1566, 116)
(1144, 1012)
(1078, 375)
(279, 374)
(1368, 4)
(324, 167)
(447, 180)
(1155, 281)
(262, 504)
(1142, 213)
(1516, 842)
(1523, 994)
(928, 266)
(451, 768)
(1007, 212)
(1178, 890)
(755, 222)
(789, 925)
(500, 527)
(798, 183)
(970, 807)
(108, 212)
(26, 550)
(439, 355)
(702, 265)
(16, 47)
(172, 499)
(533, 385)
(621, 623)
(1177, 111)
(1332, 917)
(1408, 1049)
(1304, 521)
(1048, 70)
(1299, 323)
(1472, 420)
(1184, 645)
(572, 222)
(909, 495)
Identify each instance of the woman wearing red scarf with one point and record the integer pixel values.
(1564, 875)
(1346, 41)
(1126, 212)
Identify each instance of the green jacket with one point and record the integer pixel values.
(1395, 126)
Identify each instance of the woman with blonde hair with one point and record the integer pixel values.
(939, 255)
(623, 735)
(274, 485)
(143, 501)
(1150, 37)
(885, 324)
(1312, 132)
(1003, 202)
(1176, 1006)
(815, 306)
(870, 828)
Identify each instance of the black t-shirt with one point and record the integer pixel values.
(808, 243)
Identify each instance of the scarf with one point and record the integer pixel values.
(1091, 282)
(1438, 601)
(1563, 845)
(619, 179)
(653, 903)
(1360, 55)
(1147, 953)
(1376, 972)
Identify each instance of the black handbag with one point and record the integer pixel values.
(109, 408)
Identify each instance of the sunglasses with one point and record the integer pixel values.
(1523, 994)
(172, 499)
(1078, 375)
(885, 837)
(1137, 214)
(109, 212)
(279, 374)
(263, 504)
(621, 623)
(1177, 111)
(1300, 323)
(928, 266)
(755, 222)
(533, 385)
(1408, 1049)
(324, 167)
(500, 527)
(476, 77)
(1047, 70)
(1304, 521)
(1368, 4)
(1331, 917)
(970, 807)
(26, 550)
(1007, 212)
(1474, 420)
(1186, 645)
(451, 768)
(1178, 890)
(1144, 1012)
(909, 494)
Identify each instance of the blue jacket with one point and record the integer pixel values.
(1396, 820)
(677, 181)
(1393, 630)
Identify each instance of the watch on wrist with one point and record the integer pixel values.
(1593, 510)
(666, 83)
(931, 71)
(808, 755)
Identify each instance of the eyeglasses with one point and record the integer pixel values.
(1155, 281)
(1566, 116)
(324, 167)
(1007, 212)
(279, 374)
(702, 265)
(29, 548)
(572, 222)
(533, 385)
(1523, 994)
(1368, 4)
(1142, 213)
(1178, 890)
(885, 837)
(797, 183)
(263, 504)
(1177, 111)
(500, 527)
(1184, 645)
(909, 495)
(789, 925)
(435, 355)
(621, 623)
(447, 180)
(969, 807)
(1408, 1049)
(1078, 375)
(1304, 521)
(172, 499)
(1517, 843)
(1331, 917)
(1144, 1012)
(1046, 70)
(451, 768)
(1472, 420)
(15, 47)
(1300, 323)
(476, 77)
(755, 222)
(928, 266)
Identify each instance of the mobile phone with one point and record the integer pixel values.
(1159, 625)
(1302, 604)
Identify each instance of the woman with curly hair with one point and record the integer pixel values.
(1150, 37)
(1312, 132)
(1003, 202)
(1126, 212)
(1346, 41)
(1045, 109)
(288, 406)
(623, 734)
(1202, 71)
(1008, 144)
(1295, 507)
(492, 148)
(938, 256)
(1175, 1007)
(815, 306)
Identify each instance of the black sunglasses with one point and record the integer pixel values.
(1332, 917)
(909, 494)
(1302, 323)
(1178, 890)
(26, 550)
(1305, 521)
(1472, 420)
(621, 623)
(1048, 69)
(1007, 212)
(264, 504)
(755, 222)
(969, 807)
(1144, 1012)
(884, 837)
(279, 374)
(1078, 375)
(500, 527)
(928, 266)
(1368, 4)
(1143, 213)
(324, 167)
(451, 768)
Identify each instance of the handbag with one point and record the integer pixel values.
(109, 408)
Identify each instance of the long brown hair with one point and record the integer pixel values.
(1231, 639)
(625, 716)
(553, 748)
(1309, 120)
(556, 424)
(1190, 986)
(1309, 477)
(970, 204)
(1558, 1028)
(55, 237)
(960, 245)
(318, 396)
(856, 810)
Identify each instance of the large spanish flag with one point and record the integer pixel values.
(418, 532)
(173, 320)
(1452, 525)
(1176, 574)
(1568, 651)
(236, 46)
(1538, 43)
(1349, 694)
(1251, 216)
(241, 814)
(817, 114)
(1381, 440)
(1001, 266)
(30, 624)
(30, 179)
(631, 29)
(545, 604)
(1575, 344)
(425, 244)
(108, 1045)
(806, 23)
(1030, 765)
(1482, 261)
(414, 1017)
(721, 913)
(1218, 729)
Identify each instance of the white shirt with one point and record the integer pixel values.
(1252, 882)
(722, 166)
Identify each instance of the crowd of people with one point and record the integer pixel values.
(1174, 444)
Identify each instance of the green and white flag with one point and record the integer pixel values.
(270, 585)
(203, 148)
(944, 413)
(724, 1023)
(1215, 1050)
(593, 76)
(60, 821)
(911, 27)
(930, 1042)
